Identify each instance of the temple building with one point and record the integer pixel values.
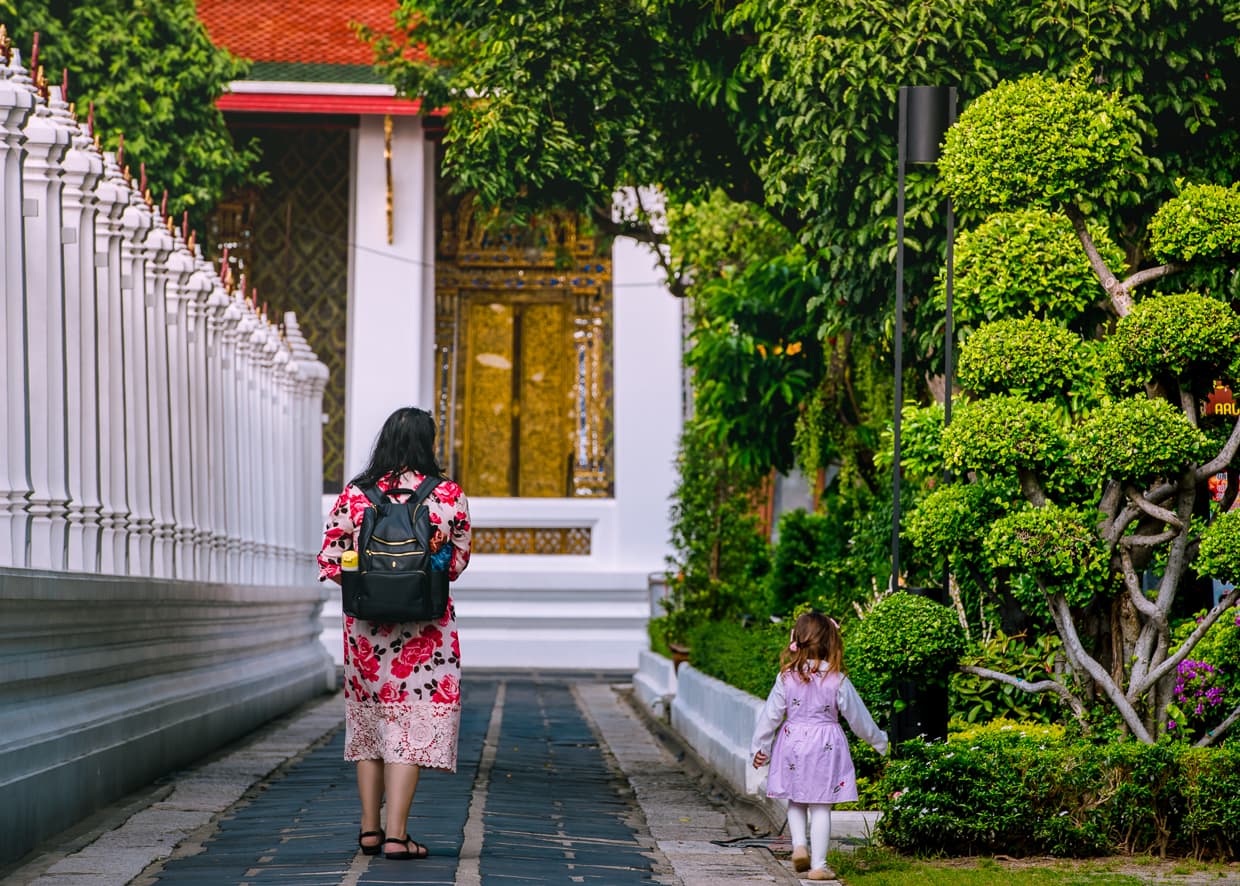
(550, 356)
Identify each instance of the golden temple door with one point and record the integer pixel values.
(523, 319)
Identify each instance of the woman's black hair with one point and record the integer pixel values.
(406, 442)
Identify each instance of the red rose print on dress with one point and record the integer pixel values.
(416, 651)
(367, 661)
(432, 633)
(456, 644)
(448, 691)
(390, 694)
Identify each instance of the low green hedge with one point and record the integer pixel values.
(1020, 795)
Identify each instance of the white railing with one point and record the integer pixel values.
(155, 423)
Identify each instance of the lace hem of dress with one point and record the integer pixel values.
(416, 733)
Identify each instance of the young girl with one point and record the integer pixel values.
(810, 765)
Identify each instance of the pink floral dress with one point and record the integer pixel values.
(402, 682)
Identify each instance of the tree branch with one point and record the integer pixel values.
(1065, 695)
(1160, 514)
(1143, 604)
(1030, 487)
(1145, 541)
(1218, 731)
(1062, 614)
(1135, 280)
(1115, 290)
(642, 232)
(1223, 459)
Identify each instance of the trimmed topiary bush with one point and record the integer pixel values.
(1024, 262)
(1219, 553)
(1057, 545)
(1172, 336)
(1041, 142)
(1028, 357)
(1002, 434)
(906, 637)
(1137, 440)
(1203, 221)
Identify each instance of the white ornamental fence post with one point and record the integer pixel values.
(230, 478)
(218, 305)
(180, 265)
(113, 196)
(158, 245)
(199, 290)
(137, 223)
(314, 376)
(17, 101)
(47, 139)
(83, 169)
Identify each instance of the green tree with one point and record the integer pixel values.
(1109, 482)
(153, 75)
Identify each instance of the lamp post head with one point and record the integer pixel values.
(930, 113)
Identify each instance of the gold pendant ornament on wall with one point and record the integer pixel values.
(523, 325)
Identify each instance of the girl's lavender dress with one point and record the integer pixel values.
(810, 762)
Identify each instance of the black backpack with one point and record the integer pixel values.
(394, 581)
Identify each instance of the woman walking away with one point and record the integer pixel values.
(402, 681)
(810, 765)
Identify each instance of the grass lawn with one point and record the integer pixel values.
(875, 867)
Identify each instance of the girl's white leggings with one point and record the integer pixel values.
(819, 829)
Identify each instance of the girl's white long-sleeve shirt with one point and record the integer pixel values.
(848, 702)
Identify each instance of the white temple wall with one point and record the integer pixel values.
(387, 365)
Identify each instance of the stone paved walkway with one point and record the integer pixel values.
(559, 781)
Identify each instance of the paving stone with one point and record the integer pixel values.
(579, 791)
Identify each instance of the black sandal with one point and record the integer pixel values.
(419, 851)
(369, 850)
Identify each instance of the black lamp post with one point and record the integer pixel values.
(925, 113)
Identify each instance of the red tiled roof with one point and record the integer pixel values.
(315, 31)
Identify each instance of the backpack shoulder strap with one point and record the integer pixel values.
(373, 495)
(425, 488)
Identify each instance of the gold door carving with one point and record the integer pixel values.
(523, 321)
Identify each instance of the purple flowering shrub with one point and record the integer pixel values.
(1200, 699)
(1207, 686)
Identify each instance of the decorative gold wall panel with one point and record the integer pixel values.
(489, 410)
(511, 540)
(546, 402)
(552, 285)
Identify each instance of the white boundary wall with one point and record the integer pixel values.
(160, 467)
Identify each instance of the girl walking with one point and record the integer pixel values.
(811, 767)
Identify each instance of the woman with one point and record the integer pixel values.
(402, 681)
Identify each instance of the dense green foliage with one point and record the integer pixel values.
(794, 105)
(721, 554)
(753, 362)
(1015, 795)
(1002, 434)
(1219, 552)
(744, 657)
(153, 75)
(1138, 440)
(903, 637)
(1056, 545)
